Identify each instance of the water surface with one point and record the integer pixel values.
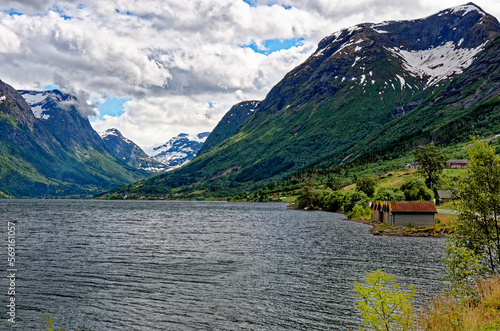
(174, 265)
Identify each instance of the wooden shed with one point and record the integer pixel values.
(417, 213)
(442, 196)
(402, 213)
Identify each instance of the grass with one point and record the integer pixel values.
(445, 219)
(446, 206)
(445, 313)
(395, 179)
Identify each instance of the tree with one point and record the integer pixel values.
(308, 197)
(387, 194)
(431, 163)
(335, 183)
(366, 184)
(477, 227)
(415, 190)
(332, 200)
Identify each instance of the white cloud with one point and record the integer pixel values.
(172, 58)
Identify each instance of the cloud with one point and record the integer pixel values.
(173, 58)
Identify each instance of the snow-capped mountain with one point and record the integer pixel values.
(178, 150)
(351, 97)
(430, 49)
(58, 113)
(50, 149)
(127, 151)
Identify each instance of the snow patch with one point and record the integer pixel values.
(363, 77)
(401, 81)
(466, 9)
(437, 63)
(37, 111)
(356, 60)
(34, 97)
(2, 98)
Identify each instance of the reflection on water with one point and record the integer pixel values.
(170, 265)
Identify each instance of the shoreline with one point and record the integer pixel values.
(430, 231)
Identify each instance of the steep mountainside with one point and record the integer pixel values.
(179, 150)
(358, 82)
(51, 150)
(228, 125)
(126, 150)
(470, 105)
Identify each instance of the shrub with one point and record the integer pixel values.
(463, 270)
(308, 198)
(383, 305)
(359, 212)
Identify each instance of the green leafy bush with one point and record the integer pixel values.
(383, 304)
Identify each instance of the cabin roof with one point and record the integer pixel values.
(444, 194)
(412, 207)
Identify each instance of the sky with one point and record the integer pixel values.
(154, 69)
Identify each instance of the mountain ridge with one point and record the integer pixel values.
(129, 152)
(51, 150)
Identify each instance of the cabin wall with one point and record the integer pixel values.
(417, 219)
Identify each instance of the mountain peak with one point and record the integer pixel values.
(179, 150)
(464, 9)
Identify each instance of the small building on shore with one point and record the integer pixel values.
(403, 213)
(457, 164)
(442, 197)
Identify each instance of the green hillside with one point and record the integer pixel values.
(72, 161)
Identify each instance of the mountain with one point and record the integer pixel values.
(179, 150)
(357, 85)
(469, 105)
(126, 150)
(49, 149)
(228, 125)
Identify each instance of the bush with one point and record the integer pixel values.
(383, 305)
(359, 212)
(463, 270)
(308, 198)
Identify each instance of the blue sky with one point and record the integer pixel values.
(112, 107)
(274, 45)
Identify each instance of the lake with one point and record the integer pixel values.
(182, 265)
